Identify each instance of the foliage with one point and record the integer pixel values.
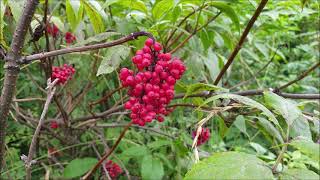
(247, 133)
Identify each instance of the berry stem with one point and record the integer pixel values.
(105, 156)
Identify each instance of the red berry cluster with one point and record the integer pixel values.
(62, 73)
(203, 137)
(152, 88)
(54, 125)
(113, 169)
(53, 30)
(69, 37)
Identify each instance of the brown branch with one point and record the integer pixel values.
(87, 176)
(50, 94)
(241, 41)
(12, 70)
(303, 75)
(132, 36)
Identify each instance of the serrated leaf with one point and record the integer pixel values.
(151, 168)
(246, 101)
(78, 167)
(309, 148)
(298, 174)
(112, 59)
(94, 16)
(199, 87)
(228, 10)
(230, 165)
(161, 8)
(291, 113)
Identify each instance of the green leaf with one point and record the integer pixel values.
(2, 10)
(161, 8)
(267, 126)
(112, 59)
(303, 3)
(131, 4)
(94, 16)
(240, 123)
(226, 8)
(291, 113)
(97, 38)
(71, 16)
(199, 87)
(309, 148)
(246, 101)
(16, 7)
(151, 168)
(158, 143)
(299, 174)
(230, 165)
(135, 151)
(78, 167)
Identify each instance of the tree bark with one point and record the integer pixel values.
(12, 70)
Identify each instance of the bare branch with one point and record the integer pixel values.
(132, 36)
(241, 41)
(105, 156)
(303, 75)
(12, 70)
(51, 90)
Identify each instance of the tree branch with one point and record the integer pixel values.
(87, 176)
(12, 70)
(303, 75)
(132, 36)
(241, 41)
(50, 94)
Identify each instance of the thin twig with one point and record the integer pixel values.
(87, 176)
(241, 41)
(258, 72)
(194, 32)
(51, 90)
(132, 36)
(303, 75)
(181, 22)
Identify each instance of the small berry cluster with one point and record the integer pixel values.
(62, 73)
(113, 169)
(53, 30)
(203, 137)
(54, 125)
(69, 37)
(152, 88)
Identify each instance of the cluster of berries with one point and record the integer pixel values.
(203, 137)
(152, 88)
(53, 30)
(113, 169)
(54, 125)
(62, 73)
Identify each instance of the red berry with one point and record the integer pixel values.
(149, 42)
